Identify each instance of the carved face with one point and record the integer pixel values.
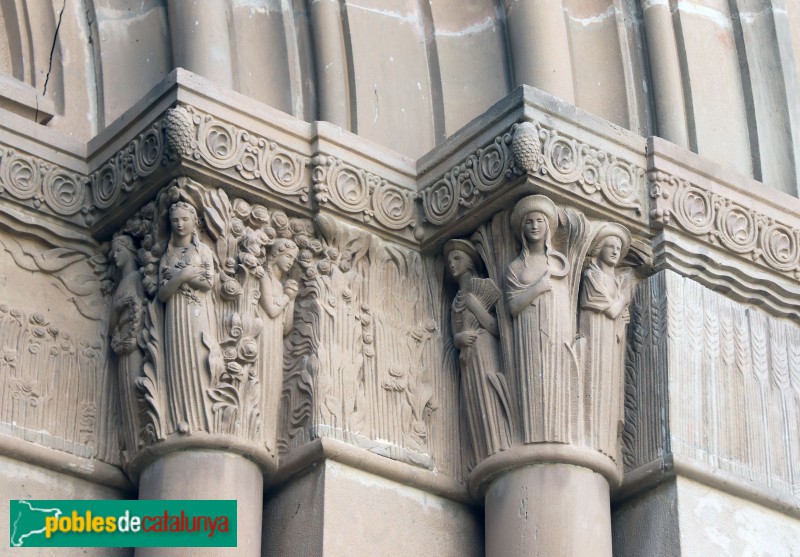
(459, 263)
(285, 260)
(534, 227)
(610, 251)
(120, 254)
(182, 222)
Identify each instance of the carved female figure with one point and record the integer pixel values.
(538, 299)
(604, 298)
(185, 278)
(278, 293)
(475, 333)
(125, 326)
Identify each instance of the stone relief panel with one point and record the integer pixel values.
(750, 427)
(644, 434)
(363, 362)
(50, 383)
(54, 382)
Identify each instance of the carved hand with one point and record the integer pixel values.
(291, 288)
(129, 344)
(543, 285)
(465, 339)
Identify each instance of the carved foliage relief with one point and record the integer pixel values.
(54, 381)
(195, 351)
(747, 428)
(256, 324)
(49, 383)
(361, 357)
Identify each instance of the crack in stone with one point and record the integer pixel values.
(53, 47)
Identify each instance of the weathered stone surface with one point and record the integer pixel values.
(338, 510)
(217, 277)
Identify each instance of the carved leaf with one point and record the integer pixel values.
(758, 336)
(779, 356)
(794, 361)
(742, 344)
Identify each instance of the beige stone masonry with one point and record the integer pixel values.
(528, 143)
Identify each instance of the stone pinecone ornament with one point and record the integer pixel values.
(179, 131)
(526, 149)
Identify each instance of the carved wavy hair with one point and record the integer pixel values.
(192, 212)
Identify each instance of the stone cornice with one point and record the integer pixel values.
(533, 142)
(727, 231)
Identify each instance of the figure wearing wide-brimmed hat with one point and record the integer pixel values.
(475, 333)
(538, 293)
(604, 298)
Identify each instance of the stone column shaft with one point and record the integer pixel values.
(199, 474)
(548, 509)
(331, 63)
(539, 46)
(666, 74)
(201, 39)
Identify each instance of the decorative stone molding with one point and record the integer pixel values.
(364, 194)
(135, 162)
(723, 223)
(599, 175)
(191, 133)
(724, 230)
(44, 186)
(542, 152)
(469, 181)
(533, 143)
